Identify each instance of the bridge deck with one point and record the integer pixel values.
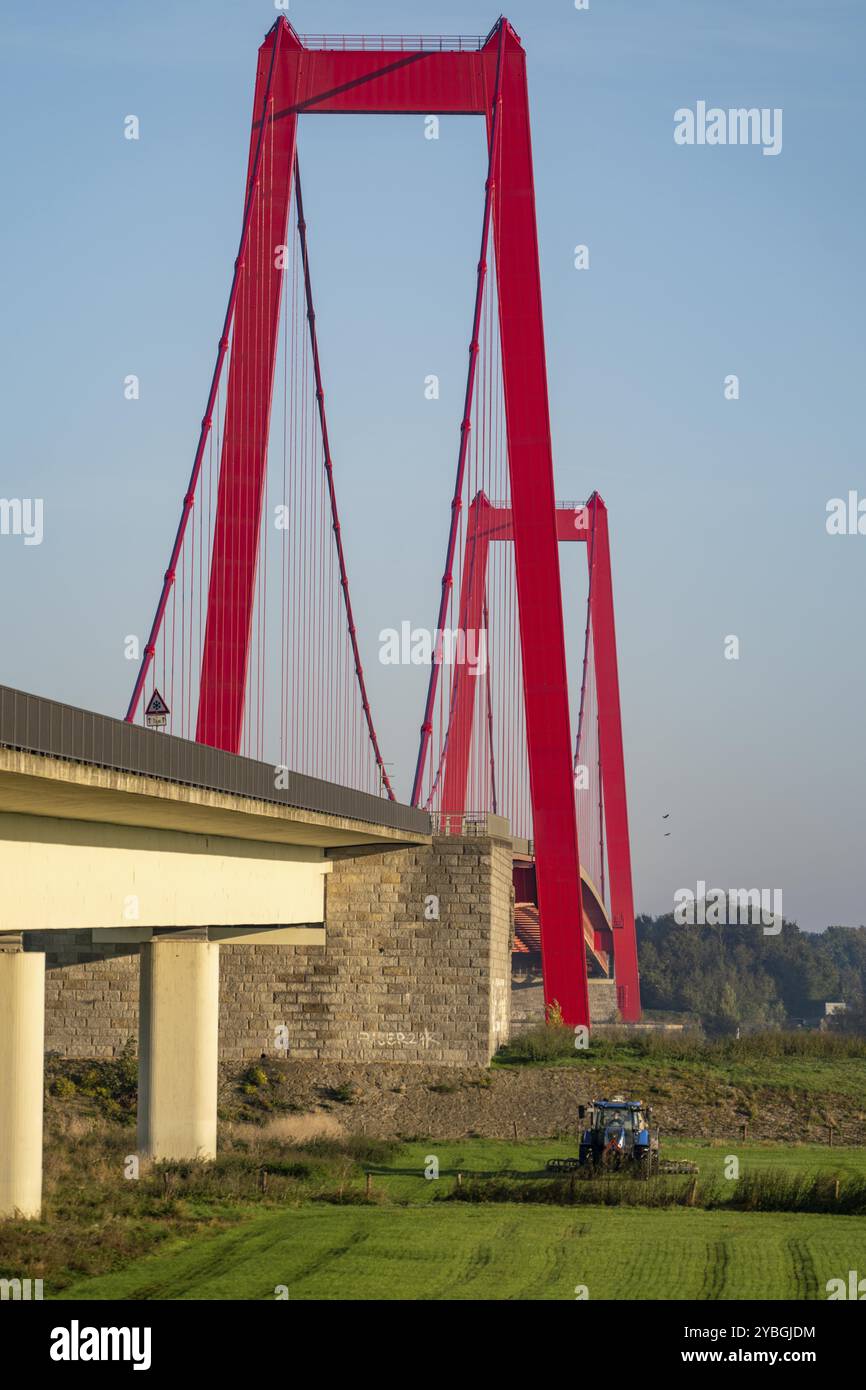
(56, 760)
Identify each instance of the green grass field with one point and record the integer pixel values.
(410, 1246)
(492, 1253)
(277, 1211)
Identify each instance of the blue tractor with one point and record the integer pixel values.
(617, 1134)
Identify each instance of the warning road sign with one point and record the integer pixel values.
(157, 712)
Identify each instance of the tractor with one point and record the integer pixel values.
(618, 1134)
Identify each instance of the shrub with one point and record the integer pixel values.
(778, 1190)
(254, 1078)
(345, 1094)
(554, 1041)
(348, 1197)
(546, 1042)
(582, 1188)
(113, 1084)
(770, 1190)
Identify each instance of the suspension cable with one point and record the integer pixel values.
(329, 473)
(168, 581)
(465, 427)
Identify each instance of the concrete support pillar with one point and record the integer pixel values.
(22, 1070)
(178, 1036)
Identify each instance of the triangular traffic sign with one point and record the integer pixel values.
(156, 705)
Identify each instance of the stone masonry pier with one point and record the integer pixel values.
(415, 966)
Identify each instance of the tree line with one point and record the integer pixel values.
(733, 976)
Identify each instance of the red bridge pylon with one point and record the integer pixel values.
(216, 601)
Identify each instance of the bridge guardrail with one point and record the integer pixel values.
(34, 724)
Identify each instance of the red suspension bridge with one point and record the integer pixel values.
(254, 647)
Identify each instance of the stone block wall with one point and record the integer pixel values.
(91, 995)
(603, 1007)
(416, 967)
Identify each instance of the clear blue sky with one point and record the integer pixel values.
(116, 258)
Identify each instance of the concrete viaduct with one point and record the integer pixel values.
(175, 847)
